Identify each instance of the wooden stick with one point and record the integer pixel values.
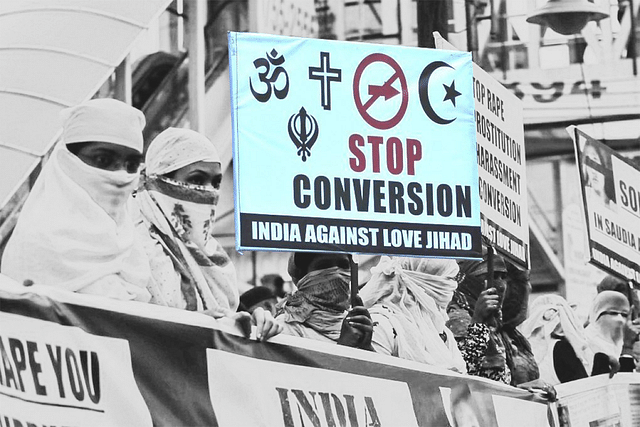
(354, 279)
(489, 266)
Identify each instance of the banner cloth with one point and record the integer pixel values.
(70, 360)
(600, 401)
(353, 147)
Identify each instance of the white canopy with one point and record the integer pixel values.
(54, 54)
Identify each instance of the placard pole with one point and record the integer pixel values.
(353, 261)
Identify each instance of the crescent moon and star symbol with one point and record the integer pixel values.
(423, 90)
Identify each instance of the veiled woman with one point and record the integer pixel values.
(408, 297)
(319, 308)
(490, 343)
(557, 340)
(76, 229)
(178, 193)
(611, 333)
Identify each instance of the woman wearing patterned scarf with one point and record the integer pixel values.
(177, 196)
(318, 309)
(491, 345)
(408, 297)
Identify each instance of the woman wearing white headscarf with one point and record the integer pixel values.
(76, 230)
(408, 298)
(612, 332)
(557, 340)
(178, 193)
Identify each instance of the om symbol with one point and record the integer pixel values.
(270, 79)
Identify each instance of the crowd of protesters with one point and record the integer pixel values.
(96, 223)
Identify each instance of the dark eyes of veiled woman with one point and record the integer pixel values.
(204, 179)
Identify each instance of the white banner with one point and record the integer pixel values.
(54, 375)
(288, 395)
(353, 147)
(600, 401)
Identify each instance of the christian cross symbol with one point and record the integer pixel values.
(325, 74)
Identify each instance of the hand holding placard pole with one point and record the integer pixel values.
(353, 262)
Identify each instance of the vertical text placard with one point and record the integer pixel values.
(502, 170)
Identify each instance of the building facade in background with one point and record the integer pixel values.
(589, 79)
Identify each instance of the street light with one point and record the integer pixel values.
(566, 16)
(473, 11)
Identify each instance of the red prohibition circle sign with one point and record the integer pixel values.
(385, 90)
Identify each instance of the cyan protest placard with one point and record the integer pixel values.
(353, 147)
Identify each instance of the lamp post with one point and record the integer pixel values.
(432, 16)
(473, 14)
(571, 16)
(563, 16)
(566, 16)
(473, 9)
(632, 41)
(631, 47)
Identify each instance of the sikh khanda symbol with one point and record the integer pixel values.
(269, 78)
(303, 131)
